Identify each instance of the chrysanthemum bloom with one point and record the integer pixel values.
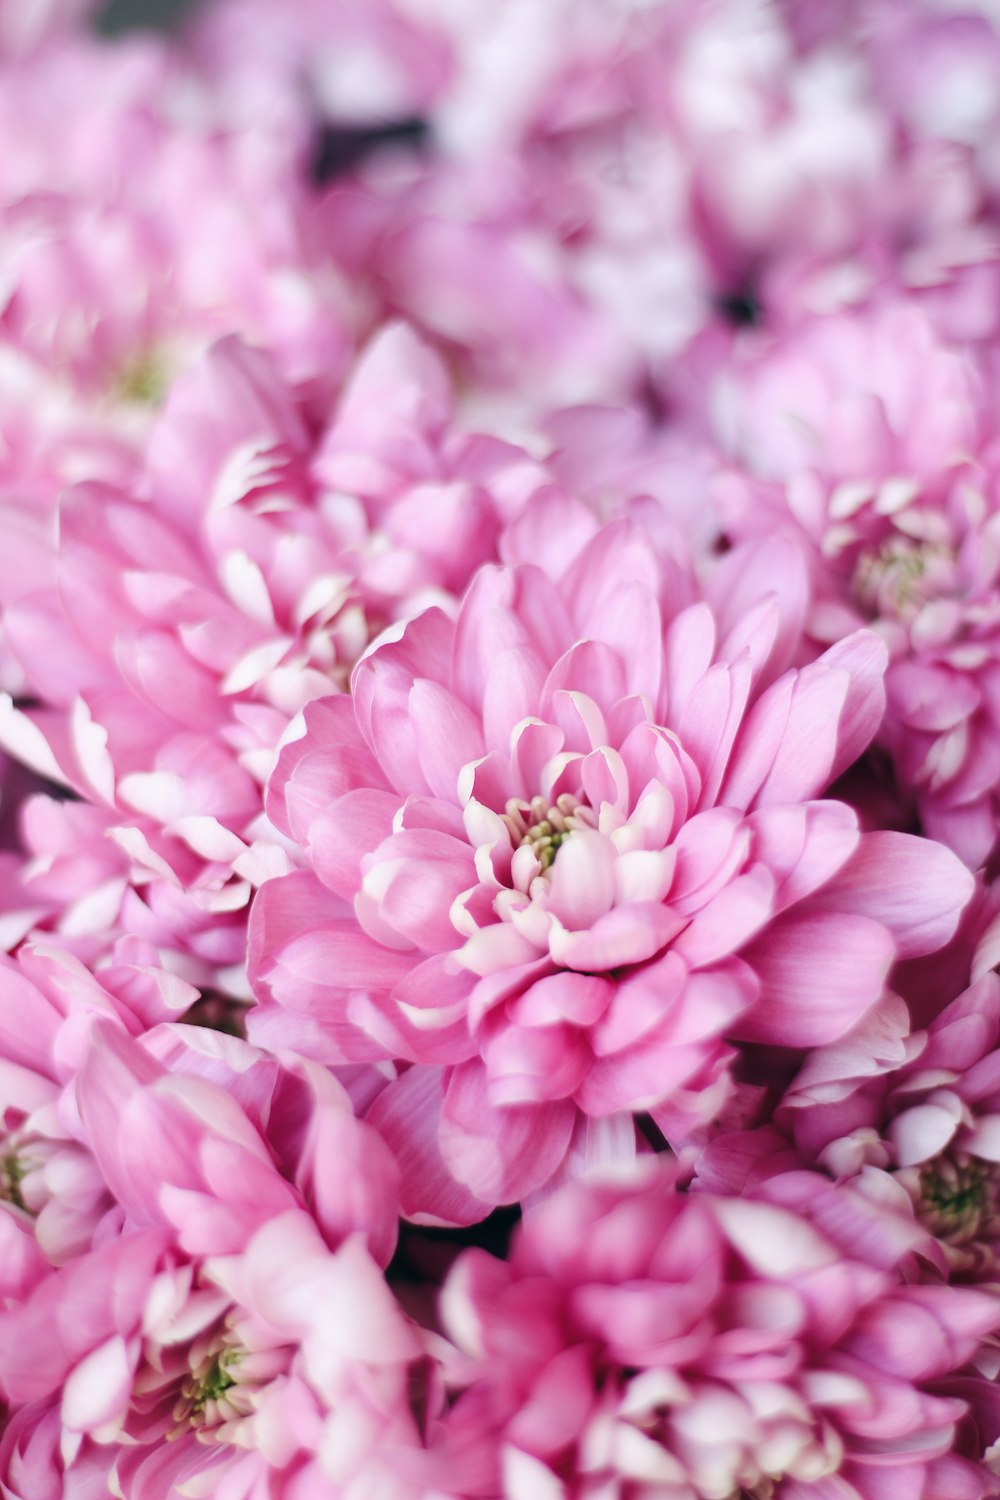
(236, 1328)
(928, 1118)
(564, 847)
(880, 437)
(184, 625)
(606, 181)
(649, 1342)
(49, 1006)
(138, 229)
(135, 233)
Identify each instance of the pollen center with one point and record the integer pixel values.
(543, 826)
(899, 577)
(212, 1395)
(12, 1174)
(957, 1196)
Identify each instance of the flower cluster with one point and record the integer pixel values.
(500, 751)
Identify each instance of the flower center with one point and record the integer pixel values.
(957, 1196)
(214, 1393)
(899, 577)
(142, 380)
(544, 827)
(12, 1173)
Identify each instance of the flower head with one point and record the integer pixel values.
(710, 1347)
(568, 849)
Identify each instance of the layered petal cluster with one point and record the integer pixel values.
(109, 291)
(567, 848)
(58, 1202)
(181, 626)
(881, 436)
(499, 750)
(233, 1322)
(922, 1110)
(648, 1341)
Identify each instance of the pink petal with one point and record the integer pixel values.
(624, 935)
(349, 828)
(406, 1115)
(921, 1132)
(448, 736)
(582, 880)
(819, 973)
(916, 888)
(729, 920)
(500, 1154)
(580, 998)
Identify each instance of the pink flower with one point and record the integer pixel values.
(881, 436)
(23, 32)
(180, 628)
(51, 1004)
(114, 290)
(565, 848)
(929, 1118)
(694, 1345)
(238, 1305)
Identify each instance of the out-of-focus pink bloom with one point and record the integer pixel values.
(692, 1345)
(563, 849)
(114, 290)
(880, 437)
(135, 233)
(26, 29)
(32, 1466)
(287, 68)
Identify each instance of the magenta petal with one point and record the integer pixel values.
(729, 920)
(641, 1077)
(529, 1064)
(710, 720)
(916, 888)
(348, 829)
(406, 1115)
(638, 1004)
(803, 846)
(448, 736)
(625, 935)
(93, 1298)
(512, 693)
(819, 972)
(582, 880)
(338, 955)
(501, 1154)
(925, 1130)
(580, 998)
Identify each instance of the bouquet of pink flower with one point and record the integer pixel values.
(500, 751)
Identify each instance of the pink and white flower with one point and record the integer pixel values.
(881, 439)
(644, 1340)
(182, 625)
(565, 850)
(238, 1310)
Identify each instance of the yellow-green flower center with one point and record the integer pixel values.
(899, 576)
(957, 1196)
(543, 826)
(143, 380)
(12, 1173)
